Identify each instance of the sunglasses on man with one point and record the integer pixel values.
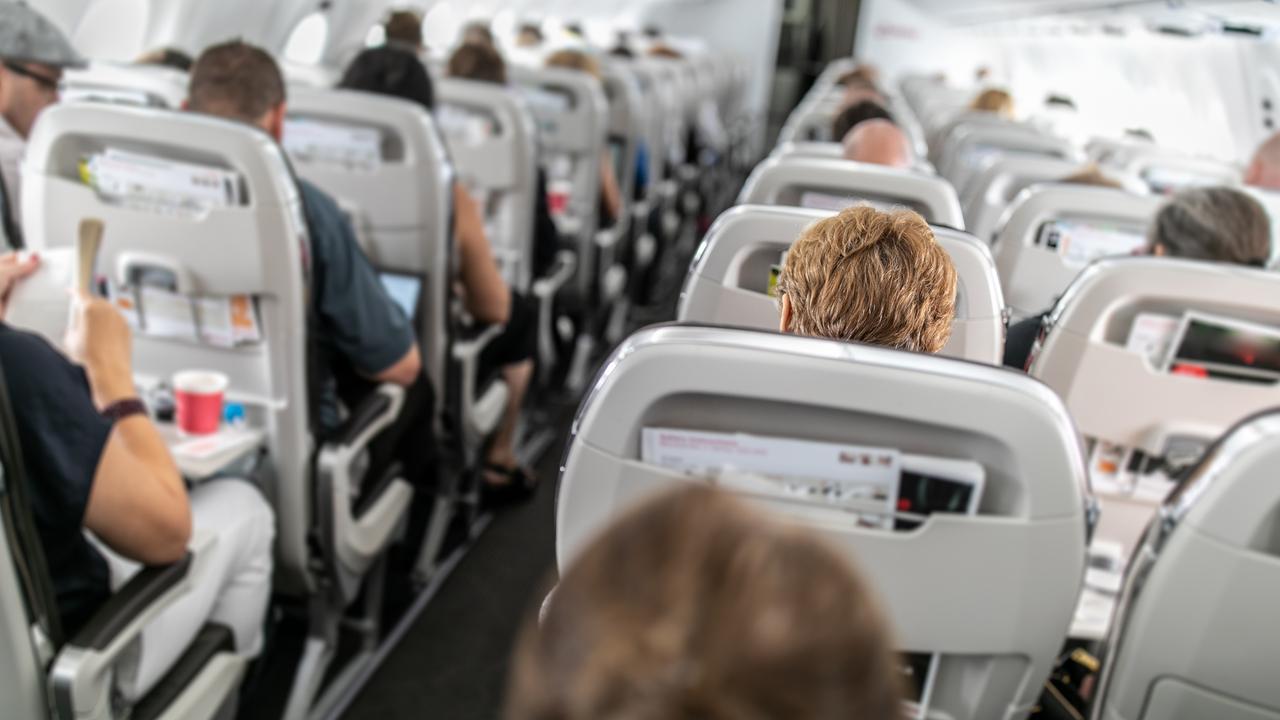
(44, 81)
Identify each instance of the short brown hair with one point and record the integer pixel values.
(694, 606)
(478, 32)
(993, 100)
(1092, 175)
(574, 60)
(873, 277)
(404, 26)
(866, 75)
(482, 63)
(235, 80)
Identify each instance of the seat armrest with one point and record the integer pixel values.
(82, 679)
(545, 290)
(467, 354)
(372, 414)
(561, 272)
(468, 350)
(357, 541)
(142, 591)
(607, 239)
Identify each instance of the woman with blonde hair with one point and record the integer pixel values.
(869, 276)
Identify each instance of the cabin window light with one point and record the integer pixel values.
(307, 42)
(441, 25)
(377, 36)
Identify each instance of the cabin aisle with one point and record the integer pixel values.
(452, 664)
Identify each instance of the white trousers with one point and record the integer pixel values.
(232, 587)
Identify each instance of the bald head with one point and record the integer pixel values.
(878, 142)
(1264, 171)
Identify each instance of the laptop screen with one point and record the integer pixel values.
(405, 290)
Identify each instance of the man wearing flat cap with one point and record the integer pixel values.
(33, 54)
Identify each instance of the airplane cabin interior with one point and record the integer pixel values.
(639, 359)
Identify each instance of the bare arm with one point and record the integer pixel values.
(405, 371)
(138, 505)
(609, 190)
(485, 293)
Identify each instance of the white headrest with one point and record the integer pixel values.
(1010, 573)
(142, 85)
(785, 180)
(1034, 274)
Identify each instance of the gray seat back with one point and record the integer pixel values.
(572, 117)
(1036, 264)
(139, 85)
(1010, 573)
(1195, 633)
(999, 181)
(795, 181)
(494, 145)
(969, 146)
(401, 182)
(253, 246)
(1126, 399)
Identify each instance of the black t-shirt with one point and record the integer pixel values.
(62, 437)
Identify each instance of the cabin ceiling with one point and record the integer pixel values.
(976, 12)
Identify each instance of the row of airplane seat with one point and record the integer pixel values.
(1000, 406)
(258, 238)
(1118, 445)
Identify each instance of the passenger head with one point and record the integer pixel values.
(574, 60)
(994, 101)
(871, 277)
(854, 114)
(1092, 175)
(390, 71)
(1216, 224)
(1264, 169)
(172, 58)
(237, 81)
(878, 142)
(404, 28)
(665, 52)
(481, 63)
(529, 36)
(33, 54)
(855, 93)
(694, 607)
(478, 33)
(863, 74)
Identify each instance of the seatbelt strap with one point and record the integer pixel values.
(12, 232)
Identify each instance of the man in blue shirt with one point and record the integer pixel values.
(363, 336)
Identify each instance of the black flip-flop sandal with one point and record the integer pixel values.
(519, 487)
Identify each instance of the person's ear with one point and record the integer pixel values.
(784, 324)
(274, 123)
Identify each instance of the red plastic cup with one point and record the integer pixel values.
(197, 396)
(558, 196)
